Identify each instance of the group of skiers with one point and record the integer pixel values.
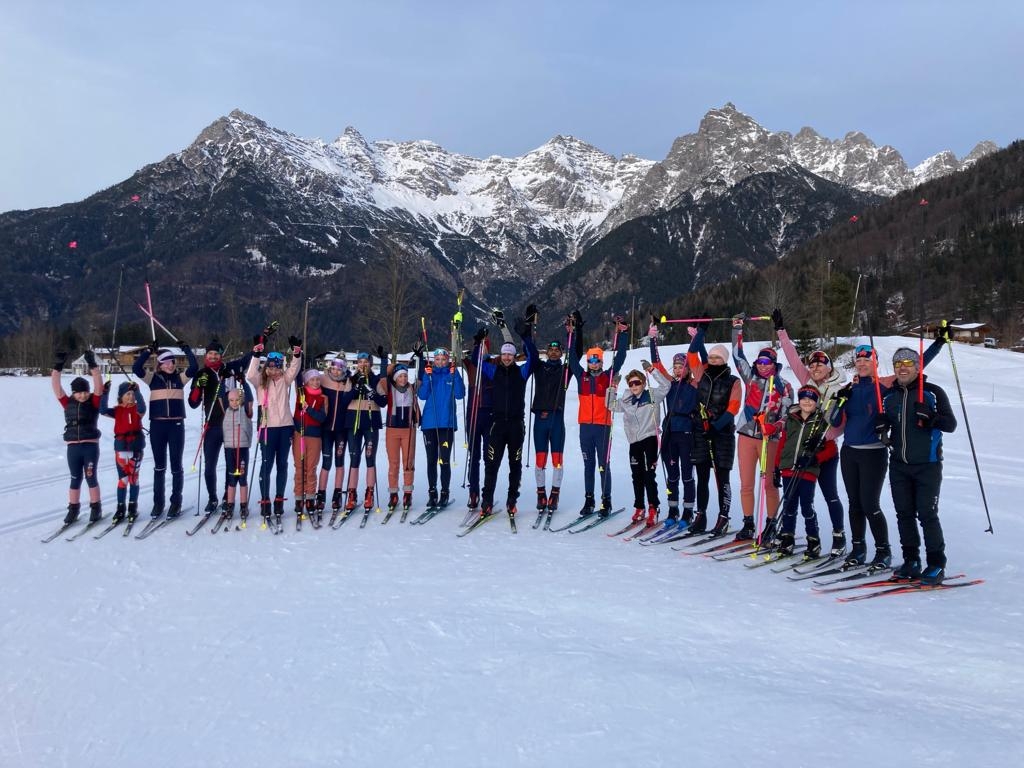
(696, 419)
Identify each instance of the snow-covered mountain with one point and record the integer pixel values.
(315, 216)
(730, 145)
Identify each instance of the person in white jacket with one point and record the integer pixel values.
(641, 410)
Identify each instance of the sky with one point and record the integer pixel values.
(91, 92)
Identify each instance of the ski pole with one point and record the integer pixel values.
(152, 320)
(664, 319)
(149, 300)
(970, 437)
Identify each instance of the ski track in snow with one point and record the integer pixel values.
(395, 646)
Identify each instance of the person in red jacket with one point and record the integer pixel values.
(129, 443)
(594, 418)
(310, 412)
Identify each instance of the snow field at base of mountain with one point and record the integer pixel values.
(394, 645)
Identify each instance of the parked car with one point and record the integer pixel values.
(990, 342)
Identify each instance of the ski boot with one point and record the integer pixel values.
(606, 506)
(300, 506)
(227, 510)
(368, 499)
(882, 558)
(432, 498)
(211, 505)
(787, 544)
(510, 507)
(700, 522)
(406, 500)
(72, 516)
(838, 544)
(474, 500)
(673, 515)
(745, 532)
(442, 502)
(119, 513)
(813, 550)
(858, 555)
(392, 502)
(722, 525)
(321, 500)
(278, 510)
(335, 499)
(174, 510)
(933, 575)
(243, 511)
(133, 511)
(265, 510)
(687, 520)
(638, 514)
(350, 501)
(652, 516)
(542, 499)
(588, 506)
(158, 510)
(553, 500)
(909, 570)
(767, 537)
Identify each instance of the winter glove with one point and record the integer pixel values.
(577, 320)
(58, 360)
(90, 359)
(777, 478)
(925, 415)
(646, 365)
(257, 348)
(183, 345)
(532, 313)
(418, 349)
(498, 317)
(621, 324)
(844, 392)
(380, 351)
(457, 319)
(106, 387)
(737, 320)
(777, 320)
(806, 461)
(295, 341)
(942, 332)
(153, 347)
(723, 422)
(480, 335)
(202, 380)
(881, 427)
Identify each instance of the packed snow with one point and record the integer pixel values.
(406, 646)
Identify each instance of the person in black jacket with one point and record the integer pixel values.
(509, 428)
(550, 379)
(918, 413)
(81, 433)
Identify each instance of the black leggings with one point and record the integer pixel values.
(724, 489)
(864, 476)
(643, 465)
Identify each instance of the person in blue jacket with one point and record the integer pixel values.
(442, 386)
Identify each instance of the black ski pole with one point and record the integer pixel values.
(970, 438)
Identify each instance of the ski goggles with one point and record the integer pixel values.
(440, 352)
(864, 352)
(555, 345)
(819, 358)
(635, 383)
(594, 360)
(808, 392)
(275, 360)
(764, 361)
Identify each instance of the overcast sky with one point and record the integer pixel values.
(92, 91)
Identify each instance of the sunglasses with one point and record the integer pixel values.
(905, 362)
(635, 383)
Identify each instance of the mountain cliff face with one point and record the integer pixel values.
(258, 215)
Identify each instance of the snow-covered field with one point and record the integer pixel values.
(405, 646)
